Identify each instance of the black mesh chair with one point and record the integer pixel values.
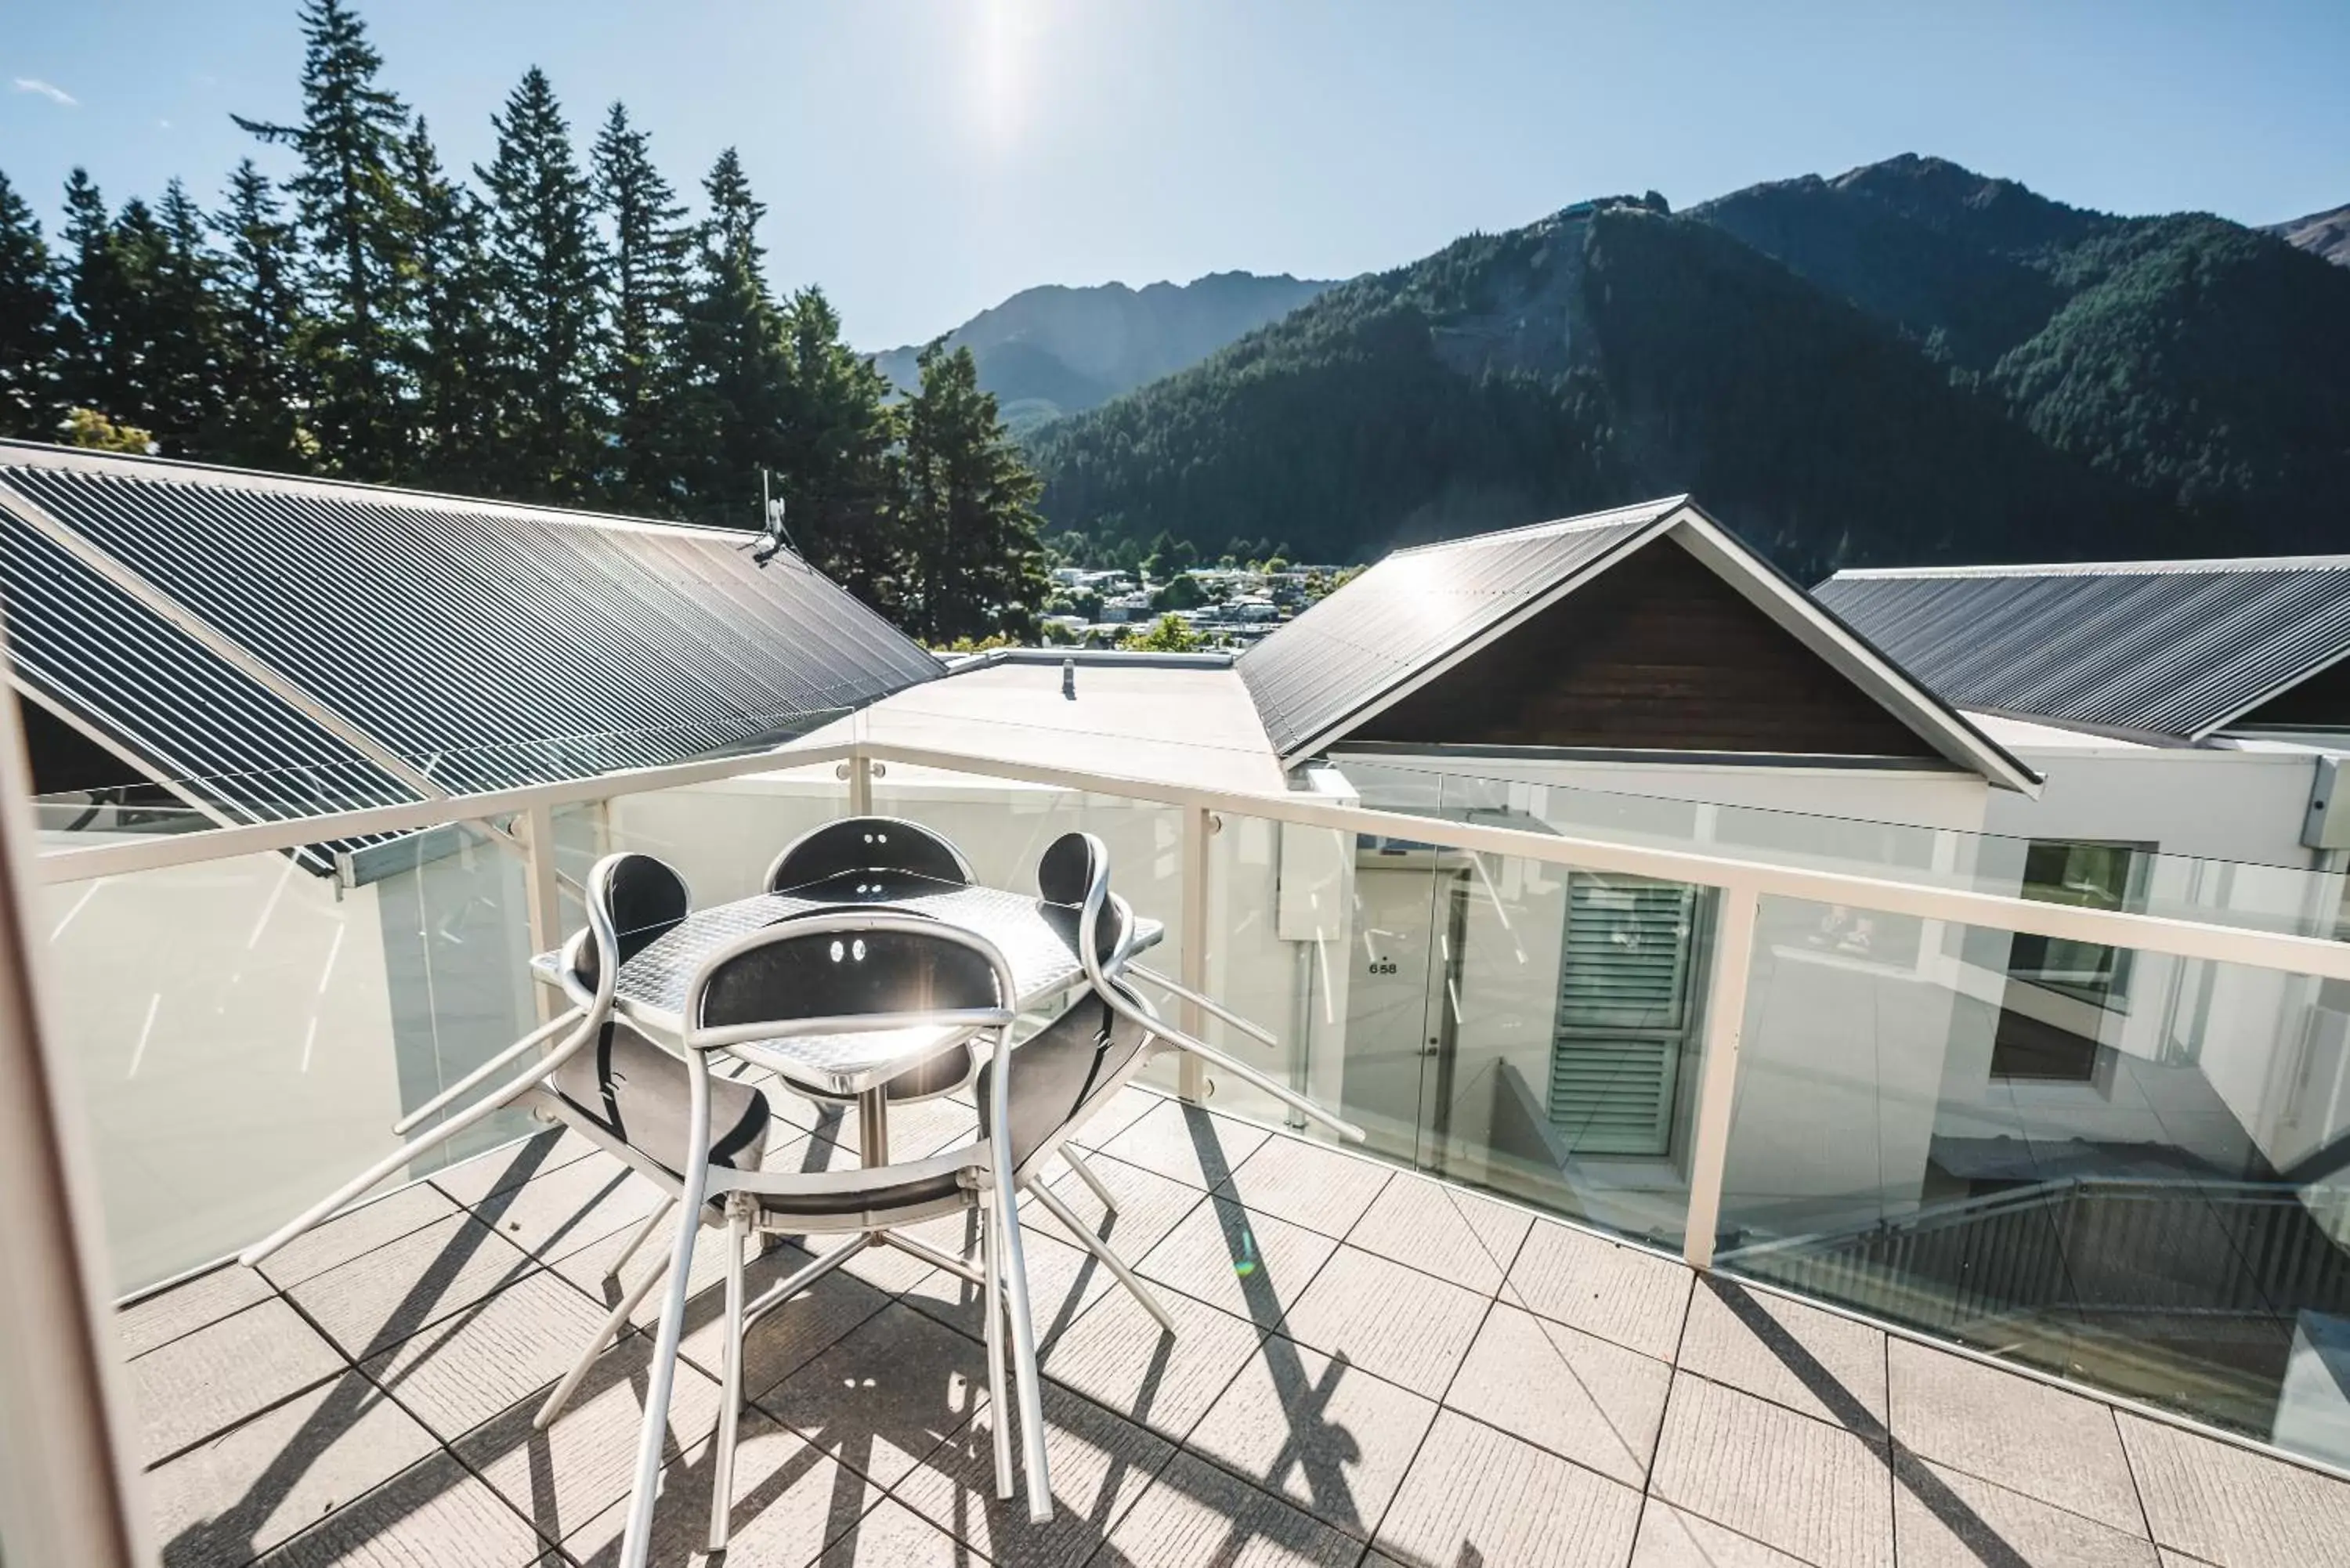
(1073, 879)
(632, 901)
(855, 971)
(866, 858)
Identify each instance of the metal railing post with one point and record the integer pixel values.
(1199, 825)
(858, 771)
(543, 897)
(1716, 1092)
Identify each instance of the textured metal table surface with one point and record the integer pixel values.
(1037, 938)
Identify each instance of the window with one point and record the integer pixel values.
(1623, 1012)
(2060, 992)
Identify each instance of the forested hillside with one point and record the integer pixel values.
(1054, 349)
(1610, 353)
(562, 328)
(2187, 355)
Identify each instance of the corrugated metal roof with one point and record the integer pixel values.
(2163, 647)
(1414, 612)
(492, 645)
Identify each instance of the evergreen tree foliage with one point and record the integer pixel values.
(642, 385)
(448, 349)
(108, 268)
(179, 308)
(262, 394)
(354, 228)
(32, 405)
(836, 447)
(735, 356)
(972, 564)
(545, 271)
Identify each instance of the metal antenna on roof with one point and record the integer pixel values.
(773, 537)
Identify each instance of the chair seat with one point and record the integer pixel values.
(637, 1092)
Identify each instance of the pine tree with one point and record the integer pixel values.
(354, 230)
(261, 391)
(972, 562)
(183, 328)
(31, 316)
(832, 453)
(448, 343)
(107, 268)
(642, 380)
(733, 353)
(546, 274)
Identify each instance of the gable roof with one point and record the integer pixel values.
(1421, 611)
(2164, 647)
(275, 646)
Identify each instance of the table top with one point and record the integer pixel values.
(1038, 941)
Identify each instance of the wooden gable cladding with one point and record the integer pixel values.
(1655, 653)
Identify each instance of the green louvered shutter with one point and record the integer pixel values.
(1623, 1012)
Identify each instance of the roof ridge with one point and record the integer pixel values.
(1614, 516)
(2100, 568)
(140, 466)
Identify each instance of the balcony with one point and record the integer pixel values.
(1373, 1368)
(1500, 1337)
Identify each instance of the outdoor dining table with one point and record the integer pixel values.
(1038, 941)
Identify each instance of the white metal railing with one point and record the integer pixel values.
(1741, 884)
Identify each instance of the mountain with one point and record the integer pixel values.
(2189, 355)
(2323, 234)
(1908, 364)
(1053, 350)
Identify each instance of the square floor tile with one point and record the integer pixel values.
(1815, 1491)
(230, 1499)
(1306, 1184)
(1672, 1538)
(1113, 1116)
(1559, 1388)
(1602, 1287)
(1195, 1513)
(788, 1337)
(1944, 1518)
(356, 1231)
(1331, 1439)
(432, 1512)
(2020, 1433)
(2230, 1506)
(1148, 1205)
(1790, 1354)
(458, 1373)
(470, 1180)
(890, 1536)
(1187, 1144)
(1475, 1495)
(205, 1382)
(1100, 1463)
(1396, 1323)
(1251, 1266)
(790, 1500)
(558, 1213)
(1063, 1280)
(883, 1397)
(1117, 1354)
(187, 1307)
(562, 1478)
(377, 1300)
(1443, 1231)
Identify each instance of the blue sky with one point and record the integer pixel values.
(924, 159)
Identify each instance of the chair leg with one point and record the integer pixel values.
(1077, 1162)
(644, 1233)
(998, 1399)
(730, 1391)
(614, 1322)
(1102, 1249)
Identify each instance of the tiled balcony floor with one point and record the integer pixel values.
(1372, 1369)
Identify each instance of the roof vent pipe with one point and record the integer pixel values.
(1069, 679)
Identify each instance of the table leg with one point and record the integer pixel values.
(873, 1126)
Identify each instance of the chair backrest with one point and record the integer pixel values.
(881, 844)
(1074, 874)
(633, 900)
(855, 971)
